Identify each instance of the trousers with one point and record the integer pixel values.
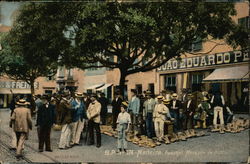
(65, 136)
(122, 142)
(21, 137)
(91, 126)
(159, 128)
(134, 120)
(44, 137)
(149, 125)
(76, 131)
(218, 111)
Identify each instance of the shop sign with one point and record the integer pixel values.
(16, 85)
(206, 60)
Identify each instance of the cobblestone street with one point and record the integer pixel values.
(213, 148)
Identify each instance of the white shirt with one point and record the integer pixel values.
(123, 118)
(189, 102)
(174, 103)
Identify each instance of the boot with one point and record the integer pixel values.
(215, 128)
(204, 125)
(222, 129)
(166, 140)
(198, 125)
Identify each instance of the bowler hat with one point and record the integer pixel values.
(93, 95)
(66, 94)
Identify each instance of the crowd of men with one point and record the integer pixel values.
(140, 115)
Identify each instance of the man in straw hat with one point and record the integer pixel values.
(94, 119)
(22, 124)
(65, 119)
(159, 116)
(79, 116)
(175, 106)
(123, 121)
(148, 110)
(134, 108)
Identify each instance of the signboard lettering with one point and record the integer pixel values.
(206, 60)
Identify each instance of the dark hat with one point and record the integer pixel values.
(45, 96)
(134, 91)
(164, 91)
(66, 94)
(93, 95)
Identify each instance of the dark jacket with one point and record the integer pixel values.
(86, 102)
(65, 116)
(191, 108)
(104, 102)
(45, 115)
(116, 106)
(178, 105)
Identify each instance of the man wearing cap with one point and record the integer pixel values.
(123, 121)
(148, 109)
(22, 124)
(94, 119)
(65, 119)
(44, 122)
(175, 106)
(159, 116)
(79, 116)
(116, 108)
(189, 109)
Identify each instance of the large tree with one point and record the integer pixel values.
(138, 37)
(33, 45)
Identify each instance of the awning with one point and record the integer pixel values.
(96, 86)
(228, 74)
(104, 87)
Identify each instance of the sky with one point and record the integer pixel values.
(6, 11)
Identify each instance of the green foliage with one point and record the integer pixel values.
(152, 32)
(32, 47)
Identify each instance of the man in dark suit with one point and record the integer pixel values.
(175, 106)
(116, 108)
(104, 110)
(189, 109)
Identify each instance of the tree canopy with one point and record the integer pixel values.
(138, 37)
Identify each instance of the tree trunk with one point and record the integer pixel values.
(122, 82)
(32, 101)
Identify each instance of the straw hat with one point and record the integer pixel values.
(22, 102)
(160, 97)
(166, 102)
(125, 104)
(205, 99)
(148, 93)
(78, 94)
(174, 95)
(190, 95)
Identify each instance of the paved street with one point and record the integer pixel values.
(213, 148)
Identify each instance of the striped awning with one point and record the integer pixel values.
(228, 74)
(104, 87)
(95, 86)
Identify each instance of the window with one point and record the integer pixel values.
(244, 22)
(138, 88)
(170, 82)
(196, 45)
(151, 87)
(49, 92)
(197, 81)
